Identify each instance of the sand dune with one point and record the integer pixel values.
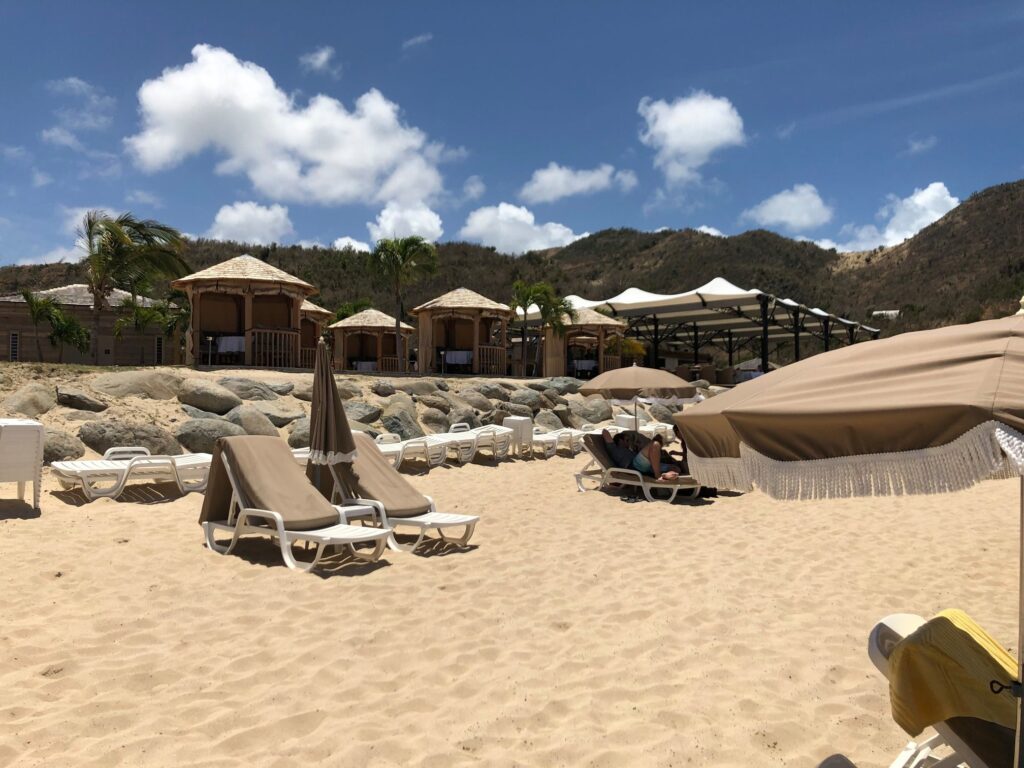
(579, 631)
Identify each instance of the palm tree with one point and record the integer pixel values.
(554, 312)
(354, 307)
(400, 262)
(139, 316)
(39, 309)
(65, 329)
(177, 311)
(125, 252)
(524, 295)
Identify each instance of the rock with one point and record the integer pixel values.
(417, 387)
(434, 420)
(564, 385)
(101, 435)
(347, 389)
(464, 415)
(60, 446)
(73, 397)
(554, 397)
(476, 400)
(303, 391)
(198, 413)
(282, 388)
(538, 386)
(491, 391)
(31, 400)
(73, 415)
(659, 412)
(248, 389)
(567, 417)
(199, 435)
(510, 409)
(701, 383)
(594, 409)
(441, 384)
(200, 393)
(364, 428)
(154, 385)
(546, 402)
(252, 420)
(279, 413)
(547, 421)
(436, 402)
(359, 410)
(528, 398)
(382, 388)
(298, 433)
(398, 419)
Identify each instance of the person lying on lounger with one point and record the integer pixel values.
(650, 457)
(618, 449)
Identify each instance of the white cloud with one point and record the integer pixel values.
(11, 152)
(319, 153)
(412, 42)
(40, 179)
(71, 216)
(60, 253)
(794, 209)
(398, 220)
(684, 133)
(917, 146)
(473, 189)
(89, 108)
(319, 60)
(249, 222)
(903, 217)
(785, 131)
(350, 242)
(557, 181)
(710, 231)
(142, 197)
(61, 137)
(513, 229)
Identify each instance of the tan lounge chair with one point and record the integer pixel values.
(601, 473)
(372, 481)
(257, 487)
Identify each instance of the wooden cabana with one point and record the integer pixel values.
(245, 312)
(366, 342)
(313, 321)
(582, 349)
(463, 332)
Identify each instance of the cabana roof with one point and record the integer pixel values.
(313, 309)
(370, 319)
(463, 298)
(78, 295)
(585, 318)
(245, 269)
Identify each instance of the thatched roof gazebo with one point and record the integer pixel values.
(366, 342)
(313, 320)
(463, 332)
(246, 312)
(582, 349)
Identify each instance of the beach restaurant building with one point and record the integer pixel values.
(463, 332)
(19, 337)
(247, 312)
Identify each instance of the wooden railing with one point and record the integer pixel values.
(612, 362)
(493, 360)
(388, 364)
(275, 349)
(307, 357)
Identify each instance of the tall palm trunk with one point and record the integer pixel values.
(400, 352)
(39, 344)
(539, 371)
(96, 313)
(523, 350)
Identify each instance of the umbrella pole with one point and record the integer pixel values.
(1019, 741)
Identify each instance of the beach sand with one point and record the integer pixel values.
(579, 630)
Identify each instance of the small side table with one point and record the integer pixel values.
(21, 455)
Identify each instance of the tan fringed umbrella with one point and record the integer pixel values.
(330, 437)
(635, 384)
(922, 412)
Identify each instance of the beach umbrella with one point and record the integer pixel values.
(635, 383)
(923, 412)
(330, 437)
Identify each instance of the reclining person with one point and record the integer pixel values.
(618, 449)
(648, 461)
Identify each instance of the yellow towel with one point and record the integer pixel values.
(943, 670)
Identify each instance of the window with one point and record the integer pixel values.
(15, 345)
(158, 352)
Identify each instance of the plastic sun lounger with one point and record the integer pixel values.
(544, 443)
(432, 452)
(570, 439)
(461, 445)
(243, 519)
(494, 438)
(601, 473)
(918, 754)
(108, 477)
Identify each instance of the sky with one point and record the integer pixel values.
(517, 125)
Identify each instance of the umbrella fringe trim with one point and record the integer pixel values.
(331, 457)
(991, 449)
(725, 473)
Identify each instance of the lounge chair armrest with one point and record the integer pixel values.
(625, 474)
(379, 514)
(432, 507)
(269, 516)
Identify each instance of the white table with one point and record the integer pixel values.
(21, 455)
(458, 357)
(366, 365)
(585, 365)
(227, 344)
(522, 433)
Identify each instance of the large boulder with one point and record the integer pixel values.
(464, 415)
(564, 385)
(547, 421)
(554, 397)
(31, 400)
(60, 446)
(198, 413)
(435, 401)
(476, 400)
(527, 397)
(203, 394)
(304, 391)
(360, 410)
(154, 385)
(279, 413)
(281, 387)
(366, 429)
(382, 388)
(72, 414)
(199, 435)
(434, 420)
(251, 419)
(513, 409)
(416, 386)
(298, 433)
(659, 412)
(101, 435)
(79, 399)
(399, 419)
(248, 389)
(594, 409)
(491, 390)
(538, 386)
(567, 417)
(347, 389)
(441, 384)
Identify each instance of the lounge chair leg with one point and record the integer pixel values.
(291, 562)
(459, 540)
(394, 544)
(374, 555)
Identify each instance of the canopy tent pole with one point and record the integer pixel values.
(826, 328)
(696, 345)
(763, 300)
(796, 333)
(729, 346)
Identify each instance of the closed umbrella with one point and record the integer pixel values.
(923, 412)
(635, 384)
(330, 437)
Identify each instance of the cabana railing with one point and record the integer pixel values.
(492, 360)
(275, 349)
(388, 364)
(307, 357)
(611, 362)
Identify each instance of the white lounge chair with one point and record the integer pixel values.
(418, 448)
(21, 455)
(544, 443)
(460, 445)
(295, 519)
(493, 438)
(108, 477)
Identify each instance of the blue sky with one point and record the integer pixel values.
(518, 125)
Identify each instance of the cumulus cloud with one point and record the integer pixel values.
(513, 229)
(142, 197)
(71, 216)
(901, 218)
(557, 181)
(795, 209)
(916, 146)
(350, 242)
(473, 189)
(87, 107)
(684, 133)
(710, 231)
(319, 60)
(61, 137)
(320, 153)
(398, 220)
(412, 42)
(249, 222)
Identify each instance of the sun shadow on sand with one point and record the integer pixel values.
(15, 509)
(437, 547)
(836, 761)
(262, 551)
(149, 493)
